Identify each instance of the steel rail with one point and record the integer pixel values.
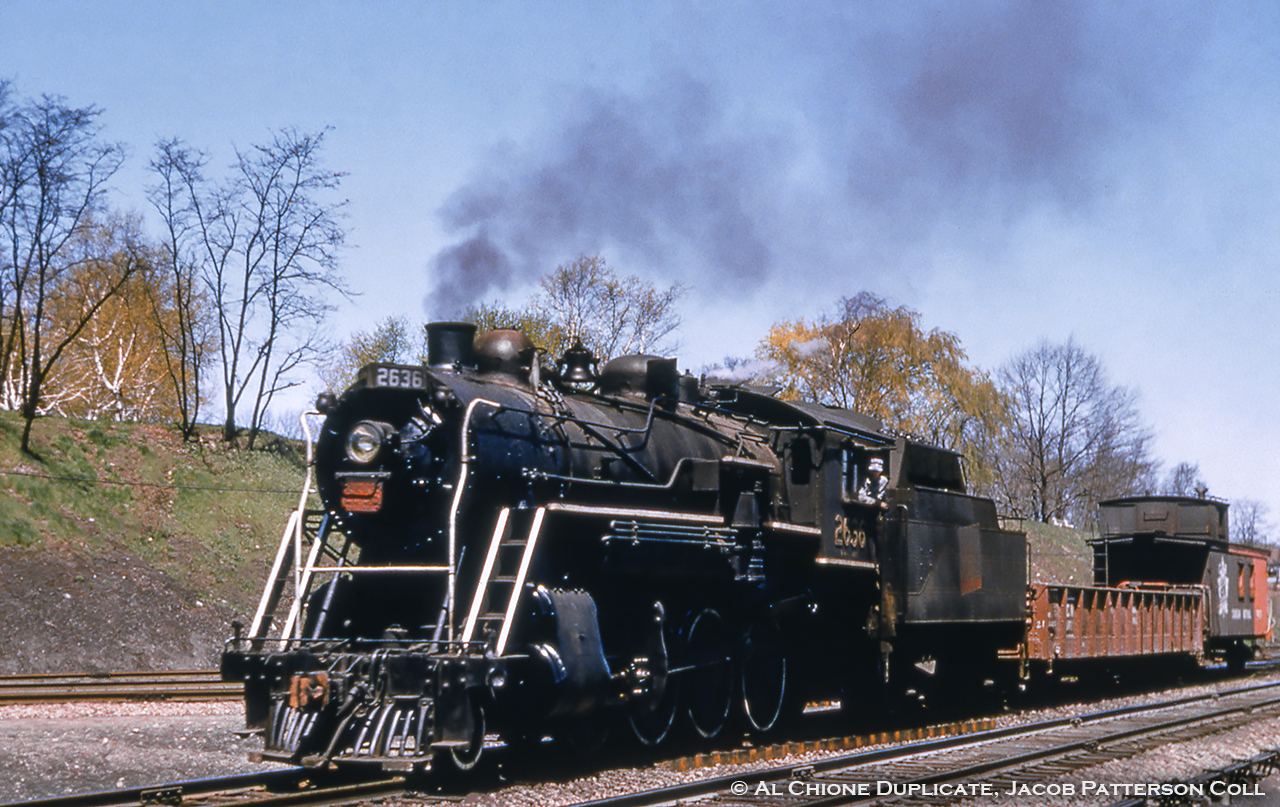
(293, 787)
(63, 687)
(249, 788)
(709, 788)
(211, 674)
(1093, 744)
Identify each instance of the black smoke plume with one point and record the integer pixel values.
(914, 116)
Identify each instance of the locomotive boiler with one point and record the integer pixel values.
(506, 548)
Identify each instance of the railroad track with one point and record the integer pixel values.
(294, 787)
(55, 687)
(925, 772)
(1013, 764)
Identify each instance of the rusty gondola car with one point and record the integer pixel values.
(509, 548)
(1167, 582)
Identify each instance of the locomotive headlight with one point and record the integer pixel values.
(366, 440)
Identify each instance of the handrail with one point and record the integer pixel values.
(459, 488)
(377, 569)
(676, 471)
(485, 574)
(518, 585)
(301, 573)
(264, 601)
(292, 535)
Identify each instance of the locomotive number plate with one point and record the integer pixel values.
(395, 376)
(849, 536)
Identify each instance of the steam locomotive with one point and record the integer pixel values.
(512, 549)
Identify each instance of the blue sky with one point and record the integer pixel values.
(1013, 171)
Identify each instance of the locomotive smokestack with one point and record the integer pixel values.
(451, 345)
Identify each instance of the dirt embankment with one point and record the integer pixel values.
(125, 547)
(103, 612)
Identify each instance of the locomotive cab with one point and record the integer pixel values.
(923, 568)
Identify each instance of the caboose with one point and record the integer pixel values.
(1168, 588)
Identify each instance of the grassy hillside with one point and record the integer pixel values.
(200, 511)
(1058, 554)
(125, 546)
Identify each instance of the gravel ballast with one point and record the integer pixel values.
(57, 749)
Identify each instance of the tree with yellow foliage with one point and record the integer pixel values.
(54, 171)
(113, 367)
(388, 342)
(549, 336)
(876, 359)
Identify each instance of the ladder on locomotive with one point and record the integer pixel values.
(310, 525)
(506, 567)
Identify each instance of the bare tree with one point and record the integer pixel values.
(585, 299)
(180, 309)
(13, 176)
(269, 239)
(1183, 480)
(1249, 522)
(1074, 438)
(10, 170)
(54, 170)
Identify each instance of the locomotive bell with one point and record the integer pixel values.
(577, 367)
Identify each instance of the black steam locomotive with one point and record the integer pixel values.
(510, 549)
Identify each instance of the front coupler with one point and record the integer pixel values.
(397, 704)
(395, 707)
